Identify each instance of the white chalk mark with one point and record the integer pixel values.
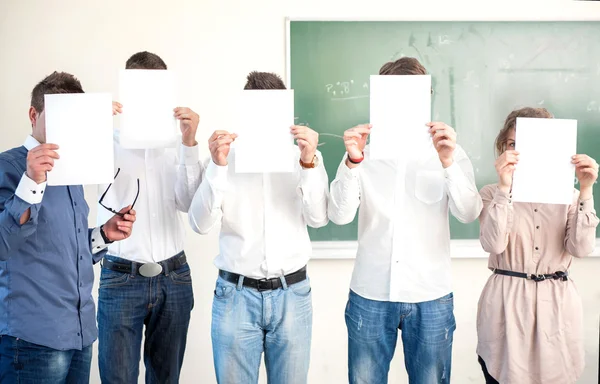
(351, 81)
(329, 86)
(541, 102)
(332, 135)
(444, 40)
(366, 85)
(333, 93)
(592, 106)
(349, 98)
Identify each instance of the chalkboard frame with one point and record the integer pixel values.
(459, 248)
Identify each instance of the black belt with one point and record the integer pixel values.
(265, 284)
(146, 269)
(564, 276)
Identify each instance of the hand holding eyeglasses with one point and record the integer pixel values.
(120, 225)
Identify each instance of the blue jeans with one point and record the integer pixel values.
(26, 363)
(427, 333)
(127, 303)
(246, 322)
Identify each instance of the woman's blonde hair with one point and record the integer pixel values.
(511, 122)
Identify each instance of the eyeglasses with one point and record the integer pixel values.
(105, 192)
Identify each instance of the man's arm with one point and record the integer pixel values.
(313, 189)
(189, 176)
(20, 200)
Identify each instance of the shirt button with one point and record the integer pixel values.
(80, 257)
(535, 210)
(79, 230)
(536, 248)
(537, 227)
(81, 284)
(75, 203)
(78, 334)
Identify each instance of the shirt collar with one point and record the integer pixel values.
(30, 143)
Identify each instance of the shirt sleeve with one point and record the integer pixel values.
(18, 193)
(580, 236)
(205, 210)
(464, 200)
(313, 189)
(189, 176)
(496, 219)
(344, 197)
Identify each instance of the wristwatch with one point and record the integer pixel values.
(313, 164)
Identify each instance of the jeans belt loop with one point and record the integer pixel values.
(240, 283)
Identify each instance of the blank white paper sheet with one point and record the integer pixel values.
(81, 125)
(544, 173)
(400, 108)
(148, 98)
(265, 143)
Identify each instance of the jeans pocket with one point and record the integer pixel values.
(302, 289)
(223, 290)
(182, 276)
(110, 278)
(448, 299)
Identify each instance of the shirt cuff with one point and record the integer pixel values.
(502, 197)
(586, 206)
(96, 241)
(188, 155)
(217, 175)
(30, 191)
(453, 171)
(348, 173)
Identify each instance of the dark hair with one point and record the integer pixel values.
(57, 82)
(403, 66)
(511, 123)
(264, 80)
(145, 60)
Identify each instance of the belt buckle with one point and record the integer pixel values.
(264, 285)
(150, 269)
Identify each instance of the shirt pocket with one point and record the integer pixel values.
(429, 186)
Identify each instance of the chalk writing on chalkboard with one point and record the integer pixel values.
(347, 90)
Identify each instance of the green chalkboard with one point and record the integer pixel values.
(480, 72)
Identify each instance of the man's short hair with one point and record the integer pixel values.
(145, 60)
(57, 82)
(264, 80)
(403, 66)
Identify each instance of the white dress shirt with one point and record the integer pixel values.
(403, 229)
(168, 181)
(263, 216)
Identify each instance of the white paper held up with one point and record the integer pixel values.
(148, 98)
(544, 173)
(400, 108)
(81, 125)
(264, 143)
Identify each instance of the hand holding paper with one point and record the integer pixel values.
(307, 140)
(40, 160)
(586, 170)
(444, 141)
(219, 145)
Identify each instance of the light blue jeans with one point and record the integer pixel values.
(246, 322)
(427, 333)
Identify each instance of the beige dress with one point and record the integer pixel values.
(532, 332)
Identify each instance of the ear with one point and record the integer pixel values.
(33, 115)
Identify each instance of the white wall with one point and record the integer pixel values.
(213, 45)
